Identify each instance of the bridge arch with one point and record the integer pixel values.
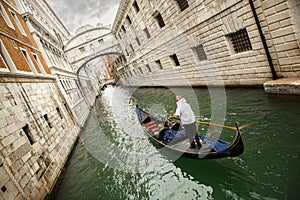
(88, 30)
(95, 57)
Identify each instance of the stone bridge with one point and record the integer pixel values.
(91, 43)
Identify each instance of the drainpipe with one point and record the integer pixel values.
(274, 75)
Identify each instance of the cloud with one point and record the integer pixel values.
(75, 14)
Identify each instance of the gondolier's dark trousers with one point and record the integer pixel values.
(191, 132)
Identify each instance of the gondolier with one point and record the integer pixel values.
(185, 113)
(218, 148)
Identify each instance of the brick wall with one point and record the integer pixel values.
(14, 41)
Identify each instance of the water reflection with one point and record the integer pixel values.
(114, 159)
(114, 155)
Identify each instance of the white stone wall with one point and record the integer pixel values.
(280, 20)
(88, 44)
(31, 170)
(207, 23)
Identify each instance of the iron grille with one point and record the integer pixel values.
(240, 41)
(200, 52)
(183, 4)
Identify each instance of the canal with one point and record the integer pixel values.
(114, 160)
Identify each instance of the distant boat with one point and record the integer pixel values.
(211, 149)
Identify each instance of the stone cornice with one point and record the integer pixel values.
(24, 78)
(124, 6)
(20, 41)
(59, 72)
(33, 20)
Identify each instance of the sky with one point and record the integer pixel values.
(77, 13)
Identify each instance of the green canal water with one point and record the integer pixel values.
(114, 160)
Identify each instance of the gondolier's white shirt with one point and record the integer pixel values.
(185, 112)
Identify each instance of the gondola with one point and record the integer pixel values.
(180, 145)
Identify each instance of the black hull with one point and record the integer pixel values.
(177, 147)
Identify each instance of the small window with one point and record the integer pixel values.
(159, 19)
(31, 65)
(5, 16)
(3, 188)
(148, 67)
(100, 41)
(59, 112)
(81, 49)
(6, 59)
(147, 32)
(183, 4)
(18, 23)
(128, 19)
(28, 134)
(136, 6)
(138, 41)
(199, 52)
(159, 64)
(39, 63)
(240, 41)
(123, 28)
(141, 70)
(175, 59)
(131, 47)
(47, 120)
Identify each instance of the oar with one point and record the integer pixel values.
(229, 127)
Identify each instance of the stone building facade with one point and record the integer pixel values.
(191, 42)
(37, 128)
(51, 36)
(88, 45)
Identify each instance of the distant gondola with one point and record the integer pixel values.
(180, 145)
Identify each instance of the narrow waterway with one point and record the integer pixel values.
(114, 160)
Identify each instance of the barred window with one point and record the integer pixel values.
(147, 32)
(159, 64)
(240, 41)
(175, 59)
(183, 4)
(136, 6)
(159, 19)
(199, 52)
